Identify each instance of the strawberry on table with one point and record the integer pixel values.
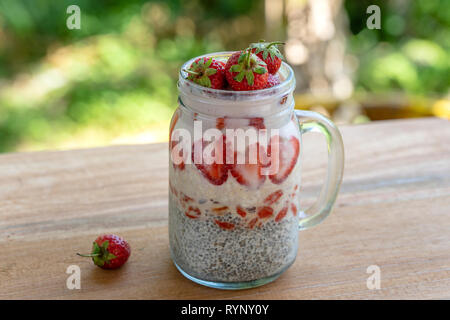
(245, 71)
(269, 53)
(109, 251)
(207, 72)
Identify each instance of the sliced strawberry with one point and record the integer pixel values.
(281, 214)
(265, 212)
(286, 159)
(220, 123)
(193, 212)
(224, 225)
(219, 210)
(216, 172)
(252, 223)
(181, 165)
(186, 198)
(257, 123)
(240, 211)
(294, 209)
(273, 197)
(248, 174)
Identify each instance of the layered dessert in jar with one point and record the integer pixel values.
(234, 221)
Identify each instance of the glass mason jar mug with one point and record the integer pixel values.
(234, 180)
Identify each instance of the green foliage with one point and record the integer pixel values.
(410, 53)
(117, 75)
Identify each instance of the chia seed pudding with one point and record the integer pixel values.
(206, 251)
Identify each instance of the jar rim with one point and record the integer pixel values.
(287, 84)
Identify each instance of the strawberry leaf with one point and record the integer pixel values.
(242, 57)
(210, 71)
(260, 70)
(250, 77)
(105, 245)
(240, 76)
(236, 68)
(204, 81)
(110, 256)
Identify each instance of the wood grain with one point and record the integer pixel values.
(393, 211)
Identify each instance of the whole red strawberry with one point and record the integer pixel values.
(207, 72)
(245, 71)
(109, 251)
(269, 53)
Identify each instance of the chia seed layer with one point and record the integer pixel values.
(206, 251)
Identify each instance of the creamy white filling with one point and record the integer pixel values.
(192, 183)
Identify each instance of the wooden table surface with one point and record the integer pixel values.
(393, 211)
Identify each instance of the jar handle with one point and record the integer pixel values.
(314, 122)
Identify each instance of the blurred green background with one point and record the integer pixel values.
(114, 80)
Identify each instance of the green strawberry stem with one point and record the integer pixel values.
(247, 61)
(192, 72)
(100, 255)
(89, 255)
(275, 43)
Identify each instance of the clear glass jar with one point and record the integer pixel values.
(234, 224)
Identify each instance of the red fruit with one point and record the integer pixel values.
(193, 213)
(214, 170)
(186, 198)
(224, 225)
(257, 123)
(273, 197)
(219, 210)
(272, 80)
(245, 71)
(294, 209)
(281, 214)
(207, 72)
(241, 211)
(246, 173)
(220, 123)
(288, 151)
(181, 165)
(252, 223)
(269, 53)
(265, 212)
(109, 251)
